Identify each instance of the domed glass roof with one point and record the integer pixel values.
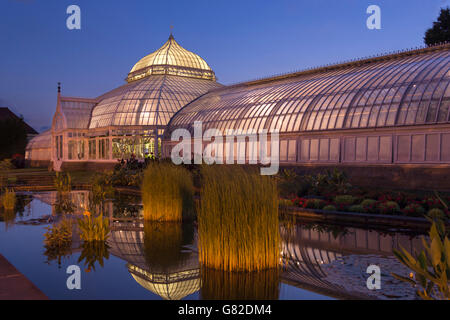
(172, 59)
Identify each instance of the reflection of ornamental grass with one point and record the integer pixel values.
(222, 285)
(238, 220)
(93, 228)
(9, 199)
(167, 193)
(163, 244)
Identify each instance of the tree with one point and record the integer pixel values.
(13, 137)
(440, 32)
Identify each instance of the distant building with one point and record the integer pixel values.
(6, 114)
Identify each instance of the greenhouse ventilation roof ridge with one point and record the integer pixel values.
(343, 64)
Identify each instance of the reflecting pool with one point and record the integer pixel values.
(160, 260)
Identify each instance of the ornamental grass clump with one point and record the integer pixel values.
(167, 193)
(9, 199)
(238, 220)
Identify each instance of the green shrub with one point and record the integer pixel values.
(315, 203)
(369, 205)
(414, 210)
(389, 207)
(357, 208)
(344, 200)
(368, 202)
(329, 208)
(436, 214)
(238, 223)
(167, 193)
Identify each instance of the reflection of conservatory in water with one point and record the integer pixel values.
(129, 120)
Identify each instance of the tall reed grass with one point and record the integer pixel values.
(8, 199)
(238, 220)
(167, 193)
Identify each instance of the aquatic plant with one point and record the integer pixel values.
(102, 187)
(63, 182)
(167, 193)
(59, 235)
(222, 285)
(8, 200)
(238, 220)
(431, 267)
(93, 228)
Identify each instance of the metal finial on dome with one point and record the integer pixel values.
(59, 87)
(171, 33)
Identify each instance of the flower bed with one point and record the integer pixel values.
(398, 204)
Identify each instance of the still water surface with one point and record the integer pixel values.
(159, 261)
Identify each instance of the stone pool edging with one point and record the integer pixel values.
(15, 286)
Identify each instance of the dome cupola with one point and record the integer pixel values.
(171, 59)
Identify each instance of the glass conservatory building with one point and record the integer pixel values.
(385, 110)
(129, 120)
(391, 109)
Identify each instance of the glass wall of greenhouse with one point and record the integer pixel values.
(388, 109)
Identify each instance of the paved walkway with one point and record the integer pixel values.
(15, 286)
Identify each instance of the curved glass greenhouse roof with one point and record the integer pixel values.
(158, 86)
(405, 88)
(151, 101)
(172, 59)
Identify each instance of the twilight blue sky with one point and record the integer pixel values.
(240, 39)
